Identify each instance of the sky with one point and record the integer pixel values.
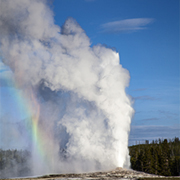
(146, 36)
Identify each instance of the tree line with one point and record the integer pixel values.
(14, 163)
(161, 157)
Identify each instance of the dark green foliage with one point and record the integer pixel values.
(14, 163)
(161, 157)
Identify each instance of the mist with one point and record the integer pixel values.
(78, 112)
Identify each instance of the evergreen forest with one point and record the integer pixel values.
(14, 163)
(161, 157)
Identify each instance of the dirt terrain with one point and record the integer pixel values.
(118, 173)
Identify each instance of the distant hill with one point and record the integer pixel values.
(161, 157)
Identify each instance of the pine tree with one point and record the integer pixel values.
(139, 161)
(165, 159)
(148, 160)
(155, 161)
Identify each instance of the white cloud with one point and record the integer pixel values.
(126, 25)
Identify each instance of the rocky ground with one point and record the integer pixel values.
(118, 174)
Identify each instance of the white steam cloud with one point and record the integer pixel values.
(84, 109)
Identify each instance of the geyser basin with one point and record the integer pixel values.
(78, 112)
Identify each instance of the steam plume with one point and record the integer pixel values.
(84, 113)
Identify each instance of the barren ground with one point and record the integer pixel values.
(118, 173)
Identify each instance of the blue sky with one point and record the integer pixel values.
(146, 35)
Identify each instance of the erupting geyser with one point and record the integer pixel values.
(78, 110)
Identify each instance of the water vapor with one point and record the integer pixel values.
(126, 25)
(80, 112)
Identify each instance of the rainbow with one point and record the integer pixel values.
(42, 143)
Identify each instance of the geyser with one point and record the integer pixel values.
(79, 114)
